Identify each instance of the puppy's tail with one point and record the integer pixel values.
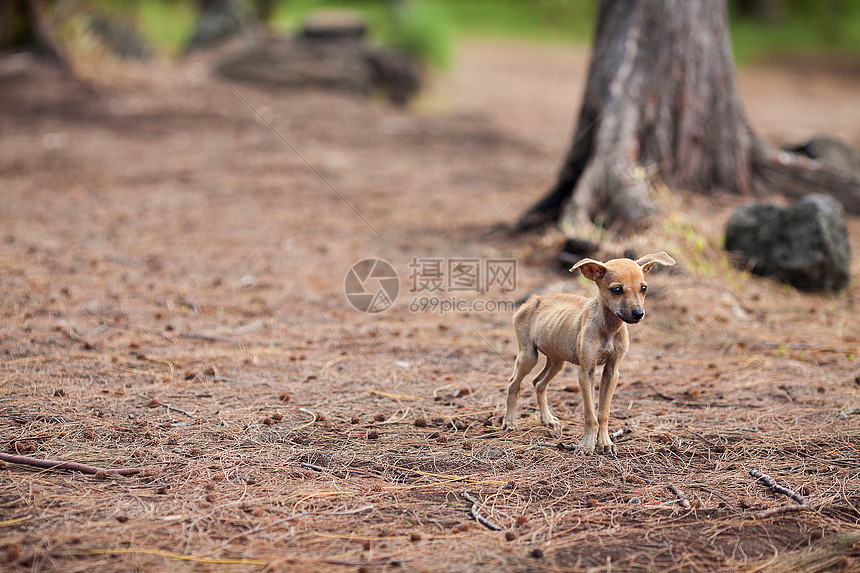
(523, 300)
(527, 305)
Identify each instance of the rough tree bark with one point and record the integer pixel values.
(661, 96)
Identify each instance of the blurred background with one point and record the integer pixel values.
(185, 186)
(430, 29)
(474, 56)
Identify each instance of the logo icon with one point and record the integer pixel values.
(371, 285)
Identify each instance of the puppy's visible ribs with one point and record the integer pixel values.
(587, 332)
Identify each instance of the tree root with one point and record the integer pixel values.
(72, 466)
(794, 176)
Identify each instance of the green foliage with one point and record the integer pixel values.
(700, 255)
(802, 27)
(566, 21)
(429, 28)
(419, 29)
(166, 24)
(540, 20)
(288, 15)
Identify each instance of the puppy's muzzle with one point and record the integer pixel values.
(635, 316)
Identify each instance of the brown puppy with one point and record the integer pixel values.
(586, 332)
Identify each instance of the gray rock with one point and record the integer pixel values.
(393, 73)
(805, 245)
(338, 65)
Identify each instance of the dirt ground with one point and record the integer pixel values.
(173, 300)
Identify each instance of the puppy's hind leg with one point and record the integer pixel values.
(552, 368)
(526, 360)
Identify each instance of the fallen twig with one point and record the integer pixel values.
(26, 418)
(75, 337)
(662, 395)
(682, 499)
(776, 488)
(335, 471)
(72, 466)
(381, 562)
(250, 327)
(337, 359)
(477, 516)
(208, 337)
(151, 486)
(153, 402)
(843, 413)
(770, 512)
(623, 430)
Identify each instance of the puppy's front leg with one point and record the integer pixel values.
(586, 385)
(608, 382)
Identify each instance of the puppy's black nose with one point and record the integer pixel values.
(637, 314)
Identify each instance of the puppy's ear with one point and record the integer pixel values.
(649, 261)
(591, 269)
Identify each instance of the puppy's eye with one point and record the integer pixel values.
(644, 289)
(617, 290)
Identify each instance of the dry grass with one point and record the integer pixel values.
(279, 430)
(282, 487)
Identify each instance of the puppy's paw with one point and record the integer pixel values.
(586, 446)
(509, 425)
(608, 449)
(605, 445)
(551, 422)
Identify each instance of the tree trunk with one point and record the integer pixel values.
(22, 24)
(661, 98)
(219, 20)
